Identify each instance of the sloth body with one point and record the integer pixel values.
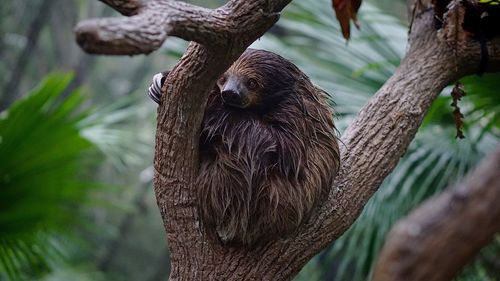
(268, 151)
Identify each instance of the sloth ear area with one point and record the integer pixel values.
(154, 90)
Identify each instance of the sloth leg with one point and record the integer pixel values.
(154, 90)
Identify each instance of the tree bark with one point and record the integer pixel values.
(438, 238)
(373, 143)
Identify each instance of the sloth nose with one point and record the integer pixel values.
(231, 97)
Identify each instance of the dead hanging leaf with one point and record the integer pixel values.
(346, 10)
(457, 93)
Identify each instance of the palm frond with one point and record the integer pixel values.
(109, 128)
(41, 148)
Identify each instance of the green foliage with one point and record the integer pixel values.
(109, 129)
(41, 148)
(483, 93)
(480, 106)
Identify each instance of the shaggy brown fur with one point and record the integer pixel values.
(266, 163)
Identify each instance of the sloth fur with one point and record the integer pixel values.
(268, 150)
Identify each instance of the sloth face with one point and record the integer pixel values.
(240, 91)
(258, 81)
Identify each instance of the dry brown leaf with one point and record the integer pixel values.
(457, 93)
(346, 10)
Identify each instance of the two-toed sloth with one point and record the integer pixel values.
(268, 149)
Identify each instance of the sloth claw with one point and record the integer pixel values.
(154, 90)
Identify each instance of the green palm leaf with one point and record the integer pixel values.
(109, 129)
(41, 149)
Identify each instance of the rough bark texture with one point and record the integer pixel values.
(152, 21)
(373, 143)
(448, 230)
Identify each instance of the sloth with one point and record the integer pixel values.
(268, 149)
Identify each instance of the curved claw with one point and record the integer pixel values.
(154, 90)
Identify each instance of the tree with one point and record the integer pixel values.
(374, 142)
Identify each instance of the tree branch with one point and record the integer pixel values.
(438, 238)
(153, 21)
(147, 27)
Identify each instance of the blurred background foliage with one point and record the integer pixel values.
(76, 150)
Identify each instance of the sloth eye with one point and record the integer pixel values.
(252, 84)
(222, 80)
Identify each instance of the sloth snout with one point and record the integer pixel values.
(233, 98)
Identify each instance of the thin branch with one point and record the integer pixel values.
(438, 238)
